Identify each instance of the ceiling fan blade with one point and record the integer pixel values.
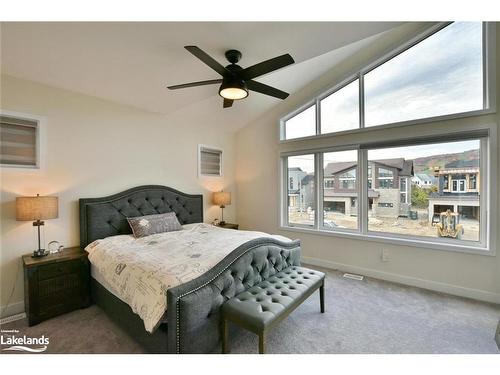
(194, 84)
(266, 67)
(267, 90)
(227, 103)
(203, 56)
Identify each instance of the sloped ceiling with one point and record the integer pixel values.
(133, 62)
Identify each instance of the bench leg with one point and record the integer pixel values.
(225, 336)
(261, 342)
(322, 297)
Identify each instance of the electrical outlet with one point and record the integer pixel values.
(385, 255)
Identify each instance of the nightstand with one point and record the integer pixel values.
(56, 284)
(229, 226)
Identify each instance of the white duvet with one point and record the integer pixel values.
(139, 271)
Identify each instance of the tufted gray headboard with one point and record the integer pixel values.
(107, 216)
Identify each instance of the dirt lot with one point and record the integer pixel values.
(401, 225)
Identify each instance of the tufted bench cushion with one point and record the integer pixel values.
(270, 301)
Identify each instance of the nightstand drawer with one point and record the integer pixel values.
(58, 269)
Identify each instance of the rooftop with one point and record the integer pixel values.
(405, 167)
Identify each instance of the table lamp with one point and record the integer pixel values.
(222, 199)
(37, 209)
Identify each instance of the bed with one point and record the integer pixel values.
(191, 323)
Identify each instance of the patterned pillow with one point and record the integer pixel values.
(143, 226)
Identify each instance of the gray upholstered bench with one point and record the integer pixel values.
(267, 303)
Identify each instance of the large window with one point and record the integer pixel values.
(425, 187)
(441, 74)
(301, 192)
(431, 212)
(448, 210)
(340, 208)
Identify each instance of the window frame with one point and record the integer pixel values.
(201, 148)
(405, 191)
(40, 142)
(487, 178)
(489, 93)
(320, 192)
(284, 192)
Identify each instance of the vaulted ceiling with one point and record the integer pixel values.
(133, 62)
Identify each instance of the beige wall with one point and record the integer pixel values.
(257, 181)
(95, 148)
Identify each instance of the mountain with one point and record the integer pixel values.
(426, 164)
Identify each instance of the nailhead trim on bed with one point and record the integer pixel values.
(178, 308)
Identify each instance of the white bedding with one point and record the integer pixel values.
(139, 271)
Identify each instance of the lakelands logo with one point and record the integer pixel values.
(22, 343)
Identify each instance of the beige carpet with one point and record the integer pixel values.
(369, 316)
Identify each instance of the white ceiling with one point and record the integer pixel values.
(133, 62)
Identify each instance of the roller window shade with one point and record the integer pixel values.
(18, 143)
(210, 162)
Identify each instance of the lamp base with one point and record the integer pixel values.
(222, 223)
(39, 253)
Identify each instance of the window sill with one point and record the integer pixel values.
(384, 238)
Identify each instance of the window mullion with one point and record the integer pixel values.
(363, 191)
(284, 190)
(319, 191)
(318, 117)
(361, 100)
(484, 226)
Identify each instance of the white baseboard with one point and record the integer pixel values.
(12, 318)
(13, 309)
(437, 286)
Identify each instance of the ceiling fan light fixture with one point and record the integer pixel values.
(237, 81)
(235, 90)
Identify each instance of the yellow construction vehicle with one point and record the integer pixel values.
(449, 225)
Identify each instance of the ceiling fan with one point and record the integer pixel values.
(236, 81)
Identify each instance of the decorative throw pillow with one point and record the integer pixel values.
(143, 226)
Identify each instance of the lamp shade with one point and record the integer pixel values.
(36, 208)
(222, 198)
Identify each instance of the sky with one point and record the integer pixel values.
(440, 75)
